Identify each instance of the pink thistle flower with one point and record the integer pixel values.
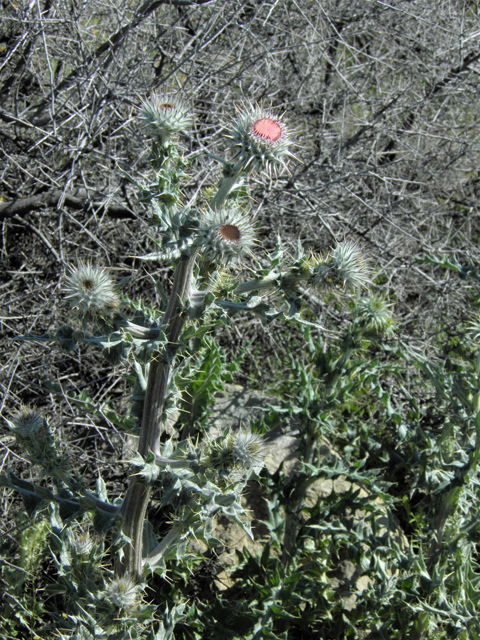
(260, 140)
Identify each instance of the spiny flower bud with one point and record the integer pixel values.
(260, 140)
(92, 293)
(37, 439)
(344, 267)
(222, 284)
(27, 423)
(81, 543)
(226, 234)
(374, 316)
(123, 592)
(164, 115)
(236, 451)
(247, 450)
(34, 435)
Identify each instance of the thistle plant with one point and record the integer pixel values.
(196, 480)
(221, 234)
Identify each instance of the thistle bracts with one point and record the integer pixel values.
(344, 267)
(92, 293)
(236, 453)
(163, 116)
(38, 443)
(259, 140)
(123, 593)
(225, 235)
(374, 318)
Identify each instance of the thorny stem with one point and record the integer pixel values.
(134, 506)
(136, 500)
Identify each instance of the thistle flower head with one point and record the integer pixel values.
(374, 316)
(164, 115)
(225, 235)
(37, 440)
(27, 423)
(92, 293)
(123, 592)
(344, 267)
(238, 451)
(247, 450)
(260, 140)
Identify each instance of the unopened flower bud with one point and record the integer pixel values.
(123, 592)
(27, 423)
(34, 435)
(164, 115)
(374, 316)
(247, 450)
(344, 267)
(236, 451)
(81, 544)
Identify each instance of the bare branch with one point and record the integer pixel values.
(78, 199)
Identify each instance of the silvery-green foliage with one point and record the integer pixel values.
(401, 464)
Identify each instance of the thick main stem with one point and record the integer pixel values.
(134, 506)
